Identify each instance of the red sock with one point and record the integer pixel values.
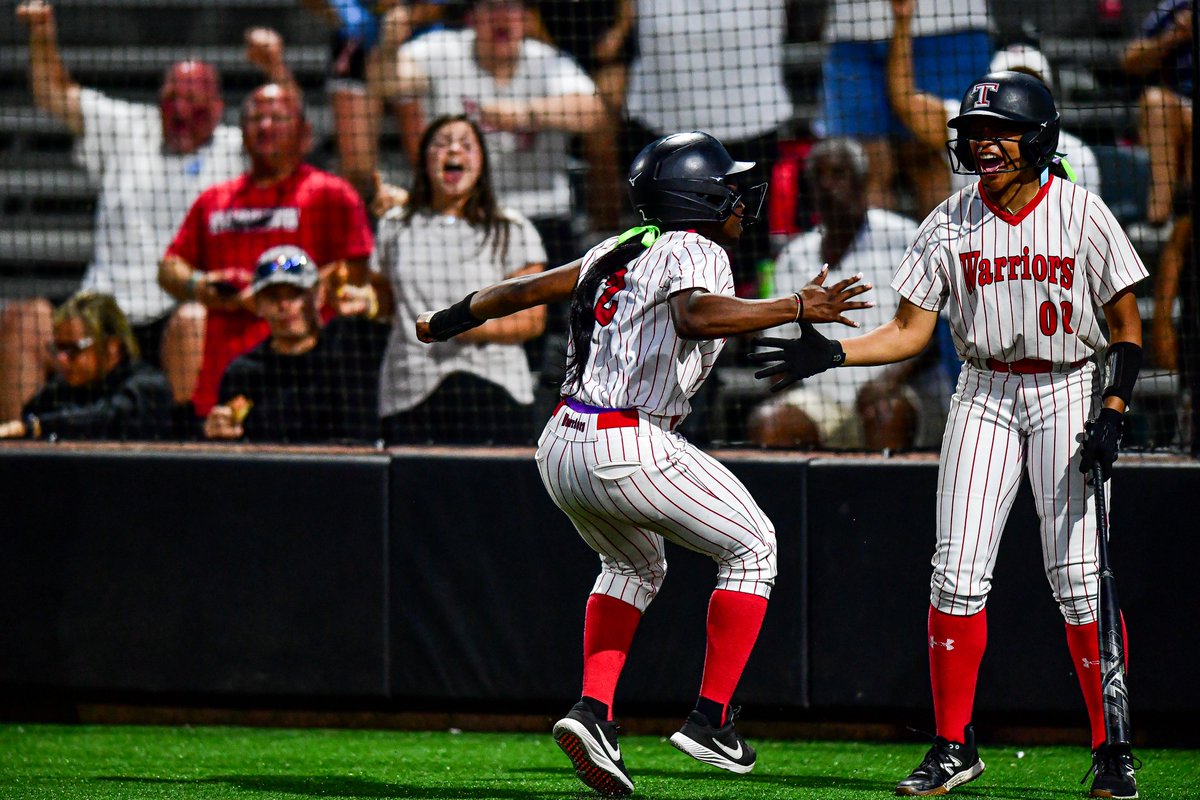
(956, 646)
(734, 620)
(607, 634)
(1084, 643)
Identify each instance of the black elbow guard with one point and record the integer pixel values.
(452, 321)
(1121, 366)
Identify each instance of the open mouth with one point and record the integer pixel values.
(452, 172)
(502, 34)
(179, 130)
(991, 162)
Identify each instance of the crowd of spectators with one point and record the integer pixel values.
(279, 200)
(238, 292)
(150, 163)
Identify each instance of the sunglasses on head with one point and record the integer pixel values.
(69, 349)
(291, 265)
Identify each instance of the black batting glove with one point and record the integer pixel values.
(796, 359)
(1100, 441)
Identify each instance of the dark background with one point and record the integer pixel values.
(447, 580)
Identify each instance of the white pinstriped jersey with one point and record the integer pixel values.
(637, 360)
(1024, 285)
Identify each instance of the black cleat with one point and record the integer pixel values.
(946, 765)
(591, 744)
(722, 747)
(1113, 768)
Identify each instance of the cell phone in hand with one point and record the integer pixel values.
(225, 288)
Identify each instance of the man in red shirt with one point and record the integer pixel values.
(280, 201)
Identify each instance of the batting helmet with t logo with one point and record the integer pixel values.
(1013, 100)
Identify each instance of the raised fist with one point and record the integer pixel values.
(264, 48)
(39, 16)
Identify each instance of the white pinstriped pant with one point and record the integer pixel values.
(628, 489)
(998, 423)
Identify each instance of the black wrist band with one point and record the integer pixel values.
(839, 355)
(454, 320)
(1121, 366)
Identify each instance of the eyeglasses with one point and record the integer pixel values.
(69, 349)
(291, 265)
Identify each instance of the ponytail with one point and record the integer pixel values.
(1060, 168)
(583, 299)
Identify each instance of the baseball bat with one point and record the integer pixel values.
(1114, 695)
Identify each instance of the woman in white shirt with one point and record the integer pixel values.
(447, 238)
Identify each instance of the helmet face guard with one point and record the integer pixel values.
(962, 160)
(752, 200)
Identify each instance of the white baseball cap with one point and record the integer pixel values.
(1023, 58)
(285, 264)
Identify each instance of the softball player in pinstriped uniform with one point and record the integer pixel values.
(649, 311)
(607, 474)
(1023, 259)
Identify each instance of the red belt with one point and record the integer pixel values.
(1031, 366)
(614, 418)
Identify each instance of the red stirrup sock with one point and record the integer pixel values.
(956, 646)
(608, 631)
(734, 620)
(1084, 643)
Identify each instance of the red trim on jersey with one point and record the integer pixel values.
(1026, 210)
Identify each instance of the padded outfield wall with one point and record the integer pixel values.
(443, 577)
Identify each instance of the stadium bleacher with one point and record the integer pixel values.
(122, 46)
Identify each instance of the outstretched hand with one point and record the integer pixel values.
(796, 359)
(828, 304)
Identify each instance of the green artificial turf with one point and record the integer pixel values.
(103, 762)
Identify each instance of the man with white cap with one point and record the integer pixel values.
(305, 383)
(926, 115)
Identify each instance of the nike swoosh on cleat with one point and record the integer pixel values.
(732, 753)
(613, 752)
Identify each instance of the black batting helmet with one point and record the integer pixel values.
(685, 177)
(1011, 97)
